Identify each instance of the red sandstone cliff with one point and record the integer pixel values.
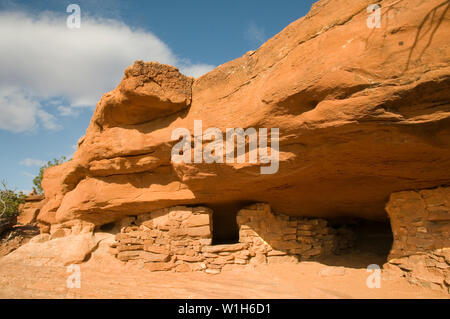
(362, 113)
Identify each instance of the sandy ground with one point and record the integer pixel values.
(102, 277)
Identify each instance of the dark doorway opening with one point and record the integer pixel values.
(225, 228)
(374, 237)
(372, 242)
(107, 227)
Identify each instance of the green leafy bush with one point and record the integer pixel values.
(37, 181)
(9, 206)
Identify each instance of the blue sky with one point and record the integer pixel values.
(51, 76)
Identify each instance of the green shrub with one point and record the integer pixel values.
(9, 206)
(37, 181)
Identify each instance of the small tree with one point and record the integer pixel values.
(9, 206)
(37, 181)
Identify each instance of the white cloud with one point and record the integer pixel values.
(196, 70)
(256, 34)
(48, 120)
(18, 110)
(41, 59)
(29, 162)
(68, 111)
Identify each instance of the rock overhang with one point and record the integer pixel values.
(350, 132)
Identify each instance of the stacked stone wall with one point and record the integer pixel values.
(180, 239)
(280, 238)
(420, 222)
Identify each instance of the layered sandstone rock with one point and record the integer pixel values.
(362, 113)
(421, 226)
(30, 209)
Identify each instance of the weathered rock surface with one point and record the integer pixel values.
(30, 209)
(420, 223)
(362, 113)
(43, 250)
